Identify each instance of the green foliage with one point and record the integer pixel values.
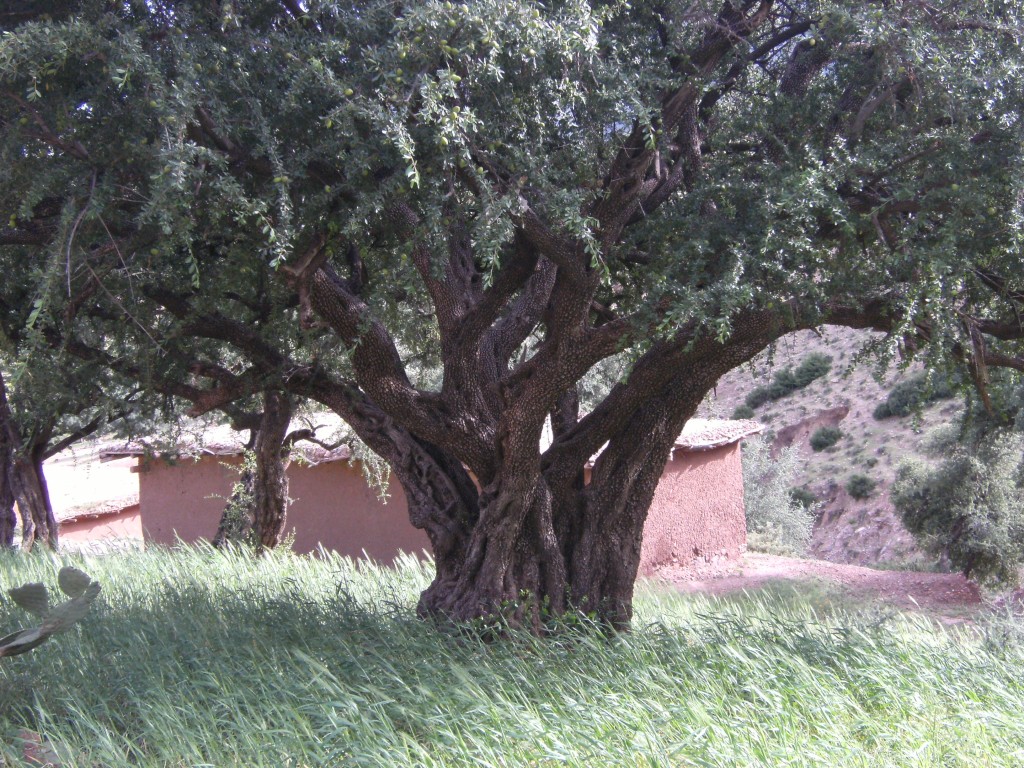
(758, 397)
(825, 437)
(970, 506)
(860, 486)
(912, 395)
(803, 496)
(784, 383)
(776, 521)
(743, 412)
(811, 368)
(331, 118)
(214, 652)
(787, 381)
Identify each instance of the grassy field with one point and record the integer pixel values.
(197, 658)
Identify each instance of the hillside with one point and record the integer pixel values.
(861, 531)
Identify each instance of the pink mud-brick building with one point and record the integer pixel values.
(697, 513)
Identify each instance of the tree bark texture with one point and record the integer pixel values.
(29, 485)
(236, 521)
(8, 520)
(24, 480)
(257, 509)
(270, 482)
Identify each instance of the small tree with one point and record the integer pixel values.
(971, 506)
(48, 405)
(776, 521)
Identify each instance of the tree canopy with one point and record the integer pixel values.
(340, 200)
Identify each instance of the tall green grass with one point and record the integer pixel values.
(198, 658)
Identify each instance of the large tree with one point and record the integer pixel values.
(513, 193)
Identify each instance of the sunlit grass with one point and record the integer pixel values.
(200, 658)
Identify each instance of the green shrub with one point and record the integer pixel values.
(860, 486)
(787, 381)
(971, 507)
(825, 437)
(757, 397)
(814, 366)
(776, 522)
(743, 412)
(911, 395)
(783, 384)
(881, 411)
(803, 497)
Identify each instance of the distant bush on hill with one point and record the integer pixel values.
(783, 384)
(825, 437)
(743, 412)
(813, 367)
(912, 394)
(804, 497)
(787, 380)
(757, 397)
(860, 486)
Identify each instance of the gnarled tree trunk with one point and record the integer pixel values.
(511, 566)
(546, 542)
(259, 504)
(24, 481)
(29, 485)
(270, 481)
(236, 521)
(8, 520)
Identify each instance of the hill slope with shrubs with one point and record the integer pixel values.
(853, 425)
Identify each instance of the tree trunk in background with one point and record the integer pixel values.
(257, 510)
(33, 497)
(7, 517)
(237, 518)
(270, 481)
(24, 481)
(10, 439)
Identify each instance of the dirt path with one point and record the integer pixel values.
(938, 593)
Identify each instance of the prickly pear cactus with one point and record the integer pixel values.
(81, 590)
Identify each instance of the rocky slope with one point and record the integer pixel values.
(849, 530)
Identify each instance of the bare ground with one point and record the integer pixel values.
(944, 595)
